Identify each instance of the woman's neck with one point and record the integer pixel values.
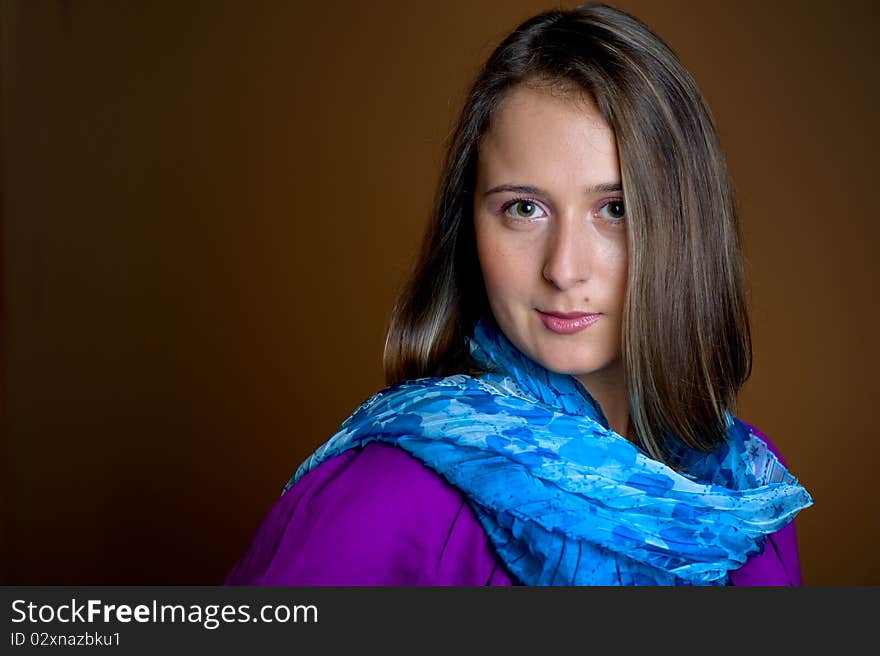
(608, 387)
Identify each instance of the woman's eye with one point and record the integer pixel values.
(524, 209)
(613, 211)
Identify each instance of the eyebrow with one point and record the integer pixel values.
(602, 188)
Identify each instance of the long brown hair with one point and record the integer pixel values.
(686, 341)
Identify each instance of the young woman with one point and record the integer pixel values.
(565, 361)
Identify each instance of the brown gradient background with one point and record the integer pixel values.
(208, 207)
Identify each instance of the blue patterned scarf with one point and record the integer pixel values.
(563, 498)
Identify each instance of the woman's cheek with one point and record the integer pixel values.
(503, 268)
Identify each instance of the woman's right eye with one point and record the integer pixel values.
(524, 209)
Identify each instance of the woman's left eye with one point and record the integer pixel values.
(613, 211)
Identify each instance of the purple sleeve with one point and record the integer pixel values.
(779, 563)
(371, 516)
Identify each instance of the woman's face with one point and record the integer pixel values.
(551, 234)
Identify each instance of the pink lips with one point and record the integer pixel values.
(566, 323)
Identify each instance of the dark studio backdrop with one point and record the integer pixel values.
(207, 208)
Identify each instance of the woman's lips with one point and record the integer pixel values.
(566, 323)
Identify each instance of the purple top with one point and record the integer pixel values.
(378, 516)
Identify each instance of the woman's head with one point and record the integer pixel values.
(550, 228)
(684, 335)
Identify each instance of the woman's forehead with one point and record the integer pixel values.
(535, 133)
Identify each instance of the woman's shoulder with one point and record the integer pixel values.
(754, 430)
(379, 484)
(370, 516)
(389, 470)
(779, 562)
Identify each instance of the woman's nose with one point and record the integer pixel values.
(566, 260)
